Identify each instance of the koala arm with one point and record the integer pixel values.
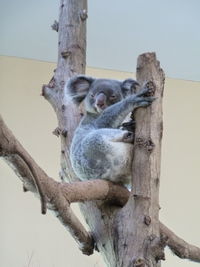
(113, 116)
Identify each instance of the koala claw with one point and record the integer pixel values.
(147, 90)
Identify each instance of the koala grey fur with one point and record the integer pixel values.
(99, 148)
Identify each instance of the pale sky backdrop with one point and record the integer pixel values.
(118, 31)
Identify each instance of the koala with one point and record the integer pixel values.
(100, 149)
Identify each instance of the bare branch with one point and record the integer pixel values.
(180, 247)
(95, 190)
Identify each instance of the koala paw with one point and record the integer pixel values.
(147, 90)
(150, 88)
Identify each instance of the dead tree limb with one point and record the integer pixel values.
(178, 246)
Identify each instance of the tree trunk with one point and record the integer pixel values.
(138, 238)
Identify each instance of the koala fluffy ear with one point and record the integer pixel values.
(129, 87)
(78, 87)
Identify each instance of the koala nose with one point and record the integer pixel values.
(101, 100)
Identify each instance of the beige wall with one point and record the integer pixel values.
(26, 235)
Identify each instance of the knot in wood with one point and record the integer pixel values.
(149, 145)
(147, 220)
(52, 83)
(139, 263)
(65, 53)
(64, 133)
(57, 132)
(83, 14)
(139, 141)
(63, 107)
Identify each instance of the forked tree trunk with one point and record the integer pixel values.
(124, 237)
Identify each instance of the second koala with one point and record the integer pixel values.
(100, 150)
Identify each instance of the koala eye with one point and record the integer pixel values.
(92, 95)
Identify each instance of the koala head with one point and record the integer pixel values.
(98, 94)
